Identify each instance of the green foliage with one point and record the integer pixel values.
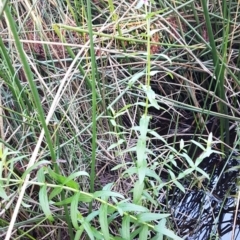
(86, 85)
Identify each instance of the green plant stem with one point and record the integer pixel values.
(219, 72)
(117, 37)
(94, 100)
(34, 91)
(15, 80)
(31, 82)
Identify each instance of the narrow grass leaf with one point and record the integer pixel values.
(198, 144)
(150, 152)
(97, 234)
(133, 149)
(185, 173)
(15, 159)
(103, 221)
(144, 121)
(159, 236)
(169, 60)
(85, 198)
(141, 148)
(130, 171)
(199, 160)
(35, 166)
(144, 233)
(148, 217)
(25, 205)
(120, 166)
(189, 160)
(3, 193)
(210, 140)
(172, 149)
(120, 113)
(153, 174)
(55, 192)
(135, 233)
(150, 198)
(180, 186)
(161, 225)
(173, 177)
(120, 211)
(62, 179)
(131, 207)
(75, 175)
(135, 78)
(155, 134)
(142, 171)
(40, 175)
(120, 141)
(30, 78)
(170, 234)
(206, 153)
(87, 228)
(161, 185)
(43, 201)
(92, 216)
(202, 172)
(74, 210)
(104, 194)
(137, 192)
(126, 227)
(82, 198)
(123, 109)
(79, 233)
(107, 187)
(181, 175)
(151, 96)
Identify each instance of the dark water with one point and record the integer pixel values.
(208, 211)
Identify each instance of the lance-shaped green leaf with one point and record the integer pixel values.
(141, 149)
(103, 221)
(148, 217)
(151, 96)
(63, 180)
(144, 233)
(142, 170)
(43, 200)
(131, 207)
(137, 192)
(126, 227)
(104, 194)
(144, 121)
(74, 210)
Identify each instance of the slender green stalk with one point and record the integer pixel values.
(219, 72)
(34, 91)
(148, 67)
(94, 100)
(117, 37)
(115, 19)
(67, 215)
(31, 82)
(15, 81)
(71, 53)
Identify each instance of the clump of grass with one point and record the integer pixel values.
(81, 90)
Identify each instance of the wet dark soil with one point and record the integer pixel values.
(209, 209)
